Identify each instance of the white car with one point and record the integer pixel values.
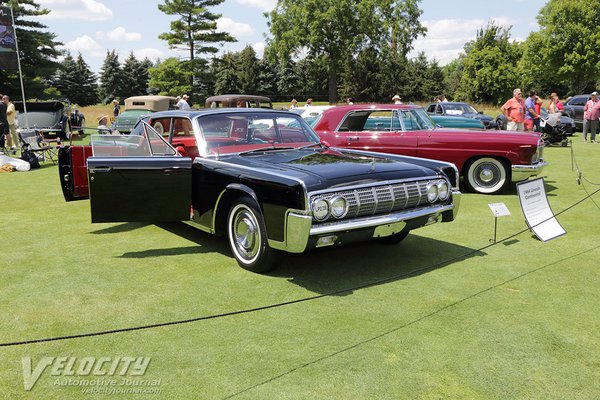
(311, 114)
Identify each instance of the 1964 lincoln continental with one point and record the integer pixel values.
(260, 177)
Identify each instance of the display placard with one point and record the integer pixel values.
(537, 211)
(499, 209)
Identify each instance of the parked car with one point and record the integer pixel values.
(574, 109)
(566, 123)
(48, 117)
(458, 109)
(487, 160)
(231, 100)
(138, 106)
(260, 177)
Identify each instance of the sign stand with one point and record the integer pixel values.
(499, 210)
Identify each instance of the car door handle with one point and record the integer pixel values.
(168, 171)
(353, 138)
(101, 169)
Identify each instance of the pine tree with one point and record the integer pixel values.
(195, 30)
(143, 75)
(130, 73)
(88, 88)
(65, 79)
(110, 78)
(247, 71)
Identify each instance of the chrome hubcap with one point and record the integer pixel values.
(487, 175)
(246, 234)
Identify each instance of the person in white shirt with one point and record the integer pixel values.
(183, 103)
(396, 99)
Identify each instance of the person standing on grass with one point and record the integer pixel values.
(595, 116)
(116, 108)
(4, 131)
(11, 117)
(514, 111)
(530, 113)
(589, 123)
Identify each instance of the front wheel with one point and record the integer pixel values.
(486, 175)
(248, 236)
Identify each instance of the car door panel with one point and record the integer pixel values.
(149, 189)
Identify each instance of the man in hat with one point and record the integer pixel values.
(102, 121)
(590, 121)
(396, 99)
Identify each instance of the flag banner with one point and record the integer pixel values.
(8, 43)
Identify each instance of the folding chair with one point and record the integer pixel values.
(33, 140)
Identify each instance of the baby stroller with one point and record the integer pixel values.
(552, 132)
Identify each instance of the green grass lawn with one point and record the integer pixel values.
(517, 320)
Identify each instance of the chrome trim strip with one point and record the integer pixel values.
(379, 220)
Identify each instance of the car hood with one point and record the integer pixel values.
(329, 168)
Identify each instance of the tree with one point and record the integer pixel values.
(110, 78)
(37, 51)
(170, 77)
(564, 53)
(226, 77)
(248, 73)
(87, 93)
(131, 71)
(65, 79)
(490, 70)
(195, 30)
(338, 29)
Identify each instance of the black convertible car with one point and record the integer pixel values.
(260, 177)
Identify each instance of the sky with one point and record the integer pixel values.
(93, 27)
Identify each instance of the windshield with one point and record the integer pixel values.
(416, 119)
(240, 132)
(39, 119)
(459, 109)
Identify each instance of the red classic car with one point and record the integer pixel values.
(487, 160)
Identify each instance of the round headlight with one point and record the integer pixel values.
(320, 208)
(339, 207)
(432, 192)
(443, 190)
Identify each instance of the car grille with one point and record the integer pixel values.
(367, 201)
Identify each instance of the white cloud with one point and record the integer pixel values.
(235, 29)
(119, 34)
(150, 53)
(87, 10)
(85, 45)
(446, 38)
(259, 48)
(265, 5)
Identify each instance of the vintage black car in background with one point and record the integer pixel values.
(47, 117)
(260, 177)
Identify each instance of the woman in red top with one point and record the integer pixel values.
(514, 111)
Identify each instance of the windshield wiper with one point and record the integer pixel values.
(263, 149)
(320, 144)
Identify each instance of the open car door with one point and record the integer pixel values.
(138, 178)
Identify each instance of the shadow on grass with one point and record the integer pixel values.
(332, 269)
(126, 227)
(206, 243)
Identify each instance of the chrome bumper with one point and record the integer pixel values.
(523, 172)
(299, 225)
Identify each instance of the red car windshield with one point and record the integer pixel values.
(239, 132)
